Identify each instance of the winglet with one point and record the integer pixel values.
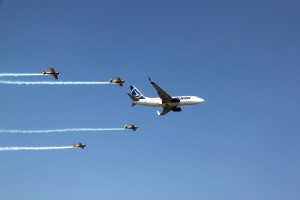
(150, 80)
(158, 113)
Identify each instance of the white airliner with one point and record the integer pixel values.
(166, 101)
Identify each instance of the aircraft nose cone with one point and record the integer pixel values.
(200, 100)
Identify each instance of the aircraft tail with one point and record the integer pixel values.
(133, 98)
(136, 93)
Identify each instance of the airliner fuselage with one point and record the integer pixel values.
(179, 101)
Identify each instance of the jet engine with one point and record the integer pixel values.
(176, 109)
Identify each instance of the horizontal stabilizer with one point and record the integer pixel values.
(133, 98)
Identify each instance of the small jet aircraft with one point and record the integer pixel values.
(166, 101)
(79, 145)
(52, 72)
(133, 127)
(118, 81)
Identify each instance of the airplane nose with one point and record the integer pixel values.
(201, 100)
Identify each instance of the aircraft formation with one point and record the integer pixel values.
(167, 102)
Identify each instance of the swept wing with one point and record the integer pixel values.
(165, 97)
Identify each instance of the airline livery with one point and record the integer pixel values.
(166, 101)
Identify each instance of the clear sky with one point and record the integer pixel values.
(242, 57)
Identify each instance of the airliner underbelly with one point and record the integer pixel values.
(158, 103)
(150, 102)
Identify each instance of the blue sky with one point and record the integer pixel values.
(242, 57)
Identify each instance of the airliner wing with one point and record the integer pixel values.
(165, 110)
(162, 94)
(52, 70)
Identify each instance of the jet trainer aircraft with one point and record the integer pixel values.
(165, 100)
(118, 81)
(79, 145)
(52, 72)
(133, 127)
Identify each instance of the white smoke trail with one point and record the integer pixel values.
(18, 74)
(53, 83)
(33, 148)
(62, 130)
